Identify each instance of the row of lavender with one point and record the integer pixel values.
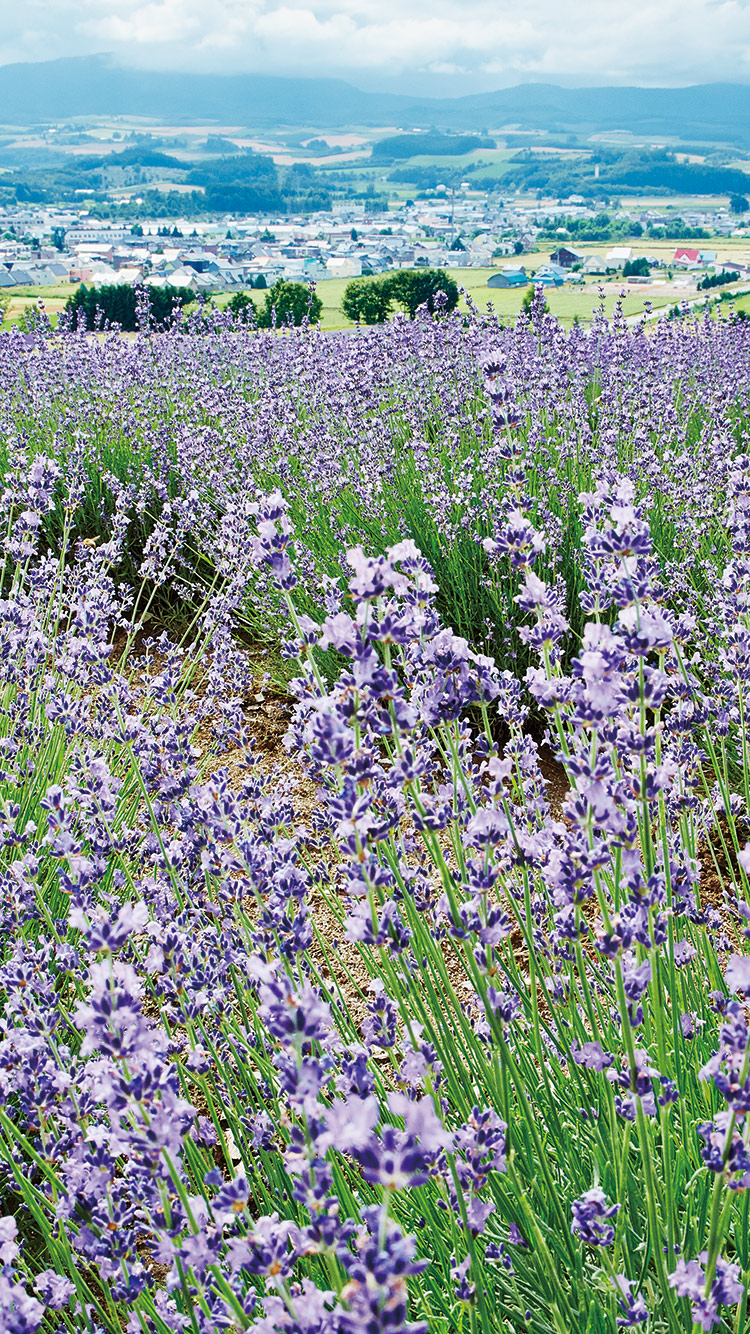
(386, 435)
(438, 1054)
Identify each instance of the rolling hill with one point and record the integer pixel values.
(97, 86)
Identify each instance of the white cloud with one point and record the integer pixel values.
(148, 25)
(591, 41)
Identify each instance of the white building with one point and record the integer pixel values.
(344, 266)
(619, 255)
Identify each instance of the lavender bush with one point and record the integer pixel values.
(441, 1046)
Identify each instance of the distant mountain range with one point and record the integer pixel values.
(97, 86)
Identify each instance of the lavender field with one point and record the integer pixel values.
(433, 1016)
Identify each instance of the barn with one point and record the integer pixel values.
(508, 278)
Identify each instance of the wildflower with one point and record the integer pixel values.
(465, 1290)
(591, 1215)
(633, 1307)
(350, 1123)
(21, 1314)
(54, 1290)
(737, 973)
(592, 1056)
(376, 1290)
(9, 1247)
(689, 1280)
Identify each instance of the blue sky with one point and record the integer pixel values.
(419, 45)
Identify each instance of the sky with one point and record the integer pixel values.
(443, 46)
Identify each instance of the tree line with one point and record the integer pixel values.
(365, 301)
(129, 307)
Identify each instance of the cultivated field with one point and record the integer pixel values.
(375, 815)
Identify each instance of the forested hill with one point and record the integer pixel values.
(95, 85)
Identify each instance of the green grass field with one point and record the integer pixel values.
(19, 299)
(486, 161)
(564, 302)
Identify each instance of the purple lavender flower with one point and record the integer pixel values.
(376, 1292)
(21, 1314)
(350, 1123)
(54, 1289)
(465, 1290)
(688, 1279)
(591, 1215)
(737, 973)
(592, 1056)
(632, 1305)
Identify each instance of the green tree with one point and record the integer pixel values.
(518, 247)
(118, 304)
(241, 304)
(58, 238)
(636, 268)
(718, 279)
(289, 303)
(739, 204)
(413, 288)
(457, 244)
(260, 282)
(367, 300)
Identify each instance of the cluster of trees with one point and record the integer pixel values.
(636, 268)
(65, 175)
(675, 229)
(371, 300)
(602, 227)
(429, 177)
(118, 303)
(365, 300)
(621, 172)
(401, 146)
(250, 182)
(424, 178)
(241, 182)
(285, 303)
(717, 280)
(684, 178)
